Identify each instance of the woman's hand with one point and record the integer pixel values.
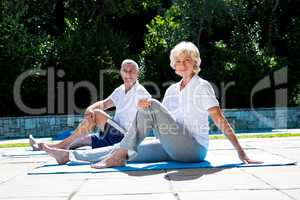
(245, 159)
(143, 104)
(222, 123)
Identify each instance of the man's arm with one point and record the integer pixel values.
(102, 105)
(220, 120)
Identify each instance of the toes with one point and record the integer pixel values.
(35, 147)
(99, 165)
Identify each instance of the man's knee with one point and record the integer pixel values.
(86, 125)
(100, 116)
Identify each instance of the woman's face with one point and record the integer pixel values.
(184, 65)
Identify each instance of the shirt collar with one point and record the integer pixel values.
(132, 88)
(191, 82)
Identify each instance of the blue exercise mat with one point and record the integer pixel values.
(62, 134)
(215, 159)
(28, 152)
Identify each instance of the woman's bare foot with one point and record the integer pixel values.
(116, 159)
(60, 155)
(34, 144)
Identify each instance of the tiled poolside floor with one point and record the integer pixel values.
(276, 183)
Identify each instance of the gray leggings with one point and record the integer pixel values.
(173, 142)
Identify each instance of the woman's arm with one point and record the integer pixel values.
(220, 120)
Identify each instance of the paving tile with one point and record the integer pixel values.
(290, 153)
(39, 198)
(293, 193)
(215, 180)
(220, 144)
(234, 195)
(9, 171)
(262, 144)
(2, 158)
(166, 196)
(25, 159)
(236, 183)
(127, 174)
(180, 173)
(131, 185)
(281, 177)
(295, 142)
(225, 144)
(40, 186)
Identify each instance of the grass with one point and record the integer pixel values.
(240, 136)
(245, 136)
(12, 145)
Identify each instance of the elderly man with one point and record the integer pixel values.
(124, 98)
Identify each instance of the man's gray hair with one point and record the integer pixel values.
(131, 62)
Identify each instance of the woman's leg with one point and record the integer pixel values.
(150, 151)
(176, 141)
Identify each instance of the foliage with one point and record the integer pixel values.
(76, 38)
(16, 50)
(239, 40)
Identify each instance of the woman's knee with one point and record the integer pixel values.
(155, 104)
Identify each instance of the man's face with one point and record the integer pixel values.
(129, 74)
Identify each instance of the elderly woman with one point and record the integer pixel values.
(180, 123)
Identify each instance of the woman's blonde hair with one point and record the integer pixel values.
(188, 49)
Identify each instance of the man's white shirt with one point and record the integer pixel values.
(126, 103)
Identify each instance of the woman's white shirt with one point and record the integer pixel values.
(190, 105)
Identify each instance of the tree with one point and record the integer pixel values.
(234, 42)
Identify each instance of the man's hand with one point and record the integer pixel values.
(143, 104)
(89, 115)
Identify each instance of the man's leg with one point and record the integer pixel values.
(90, 155)
(60, 155)
(108, 137)
(105, 140)
(81, 142)
(84, 128)
(149, 151)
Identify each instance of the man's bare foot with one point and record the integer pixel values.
(60, 155)
(34, 144)
(116, 159)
